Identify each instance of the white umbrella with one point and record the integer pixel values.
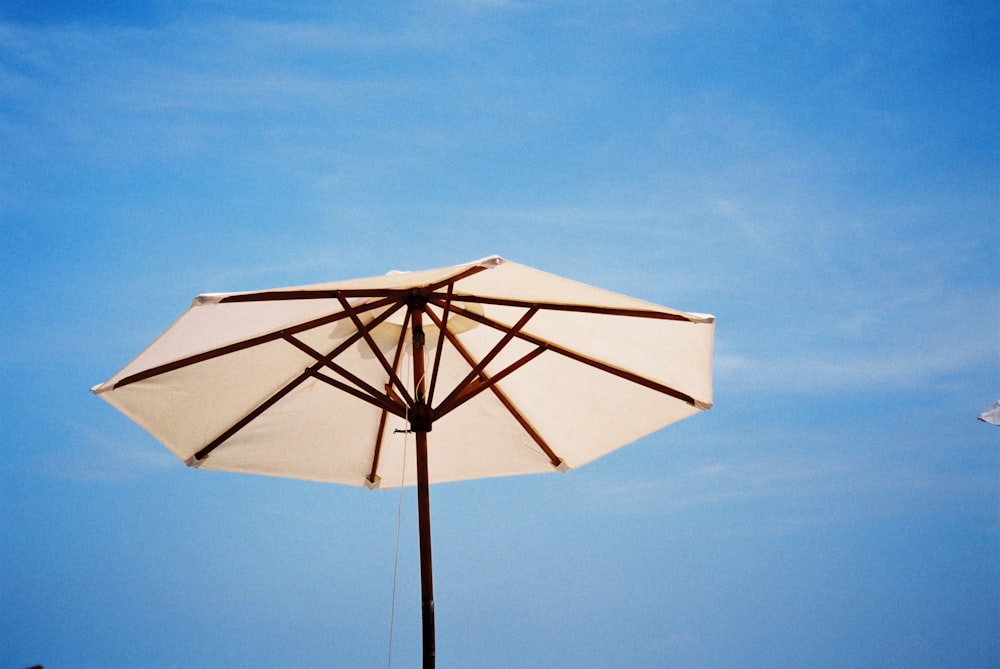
(533, 373)
(991, 415)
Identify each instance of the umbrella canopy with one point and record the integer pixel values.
(991, 415)
(512, 370)
(535, 373)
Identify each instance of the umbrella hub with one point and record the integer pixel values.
(419, 413)
(420, 416)
(416, 301)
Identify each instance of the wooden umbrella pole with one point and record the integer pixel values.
(420, 423)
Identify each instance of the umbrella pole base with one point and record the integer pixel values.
(426, 572)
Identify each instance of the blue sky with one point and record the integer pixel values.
(820, 176)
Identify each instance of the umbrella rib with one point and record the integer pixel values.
(464, 274)
(500, 395)
(393, 378)
(380, 435)
(331, 293)
(463, 394)
(580, 308)
(312, 294)
(463, 385)
(321, 360)
(273, 399)
(597, 364)
(376, 400)
(247, 343)
(360, 389)
(247, 419)
(446, 309)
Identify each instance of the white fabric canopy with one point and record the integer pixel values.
(285, 383)
(991, 415)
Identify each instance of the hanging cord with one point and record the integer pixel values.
(395, 562)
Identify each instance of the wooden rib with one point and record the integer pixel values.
(249, 343)
(379, 401)
(385, 403)
(580, 308)
(387, 296)
(469, 391)
(312, 294)
(500, 395)
(597, 364)
(466, 273)
(380, 435)
(373, 395)
(481, 365)
(365, 332)
(321, 360)
(440, 344)
(250, 417)
(333, 293)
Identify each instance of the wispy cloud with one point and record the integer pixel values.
(791, 493)
(479, 5)
(818, 370)
(95, 456)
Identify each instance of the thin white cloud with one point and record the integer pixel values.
(484, 5)
(840, 370)
(801, 492)
(840, 308)
(95, 456)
